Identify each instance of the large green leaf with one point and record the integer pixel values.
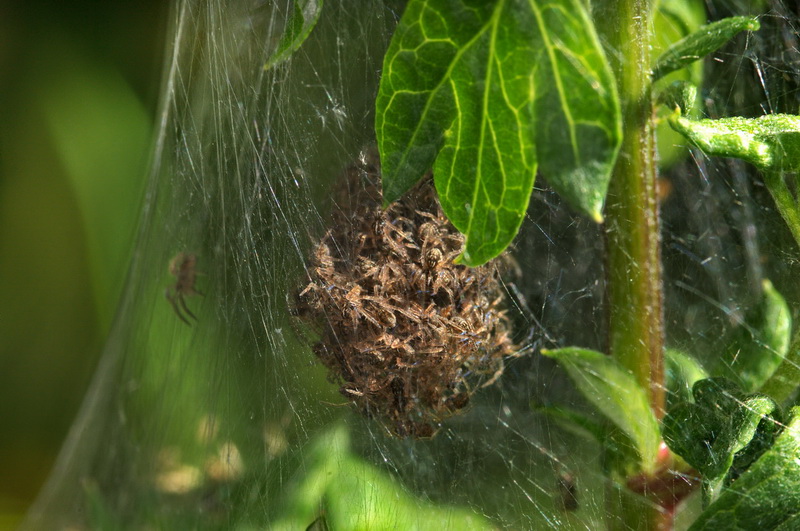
(303, 18)
(702, 42)
(486, 92)
(615, 392)
(767, 496)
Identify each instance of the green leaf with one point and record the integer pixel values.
(767, 430)
(574, 422)
(679, 95)
(702, 42)
(614, 392)
(757, 346)
(364, 497)
(484, 93)
(682, 372)
(305, 14)
(722, 422)
(672, 21)
(770, 142)
(355, 495)
(767, 496)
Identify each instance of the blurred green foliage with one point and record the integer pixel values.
(79, 84)
(352, 494)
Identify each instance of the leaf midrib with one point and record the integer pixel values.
(557, 76)
(484, 118)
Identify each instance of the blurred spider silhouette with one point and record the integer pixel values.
(182, 267)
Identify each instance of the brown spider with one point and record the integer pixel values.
(182, 267)
(567, 492)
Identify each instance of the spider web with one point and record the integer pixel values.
(220, 425)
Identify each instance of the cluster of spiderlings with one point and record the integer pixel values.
(407, 333)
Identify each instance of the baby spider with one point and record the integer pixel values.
(182, 267)
(567, 492)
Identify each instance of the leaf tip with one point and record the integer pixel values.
(597, 217)
(389, 193)
(465, 259)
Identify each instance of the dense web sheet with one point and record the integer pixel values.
(231, 422)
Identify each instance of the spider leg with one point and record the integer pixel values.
(175, 307)
(186, 309)
(495, 376)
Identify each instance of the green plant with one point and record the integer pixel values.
(226, 423)
(486, 93)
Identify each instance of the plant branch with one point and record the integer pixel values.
(636, 326)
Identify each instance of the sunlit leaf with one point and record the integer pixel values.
(702, 42)
(721, 423)
(484, 93)
(304, 16)
(615, 392)
(757, 346)
(365, 497)
(353, 494)
(770, 142)
(767, 496)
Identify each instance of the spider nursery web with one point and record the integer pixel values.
(408, 331)
(231, 420)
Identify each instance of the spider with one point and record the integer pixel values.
(182, 267)
(567, 491)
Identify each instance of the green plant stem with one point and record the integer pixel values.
(636, 328)
(632, 233)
